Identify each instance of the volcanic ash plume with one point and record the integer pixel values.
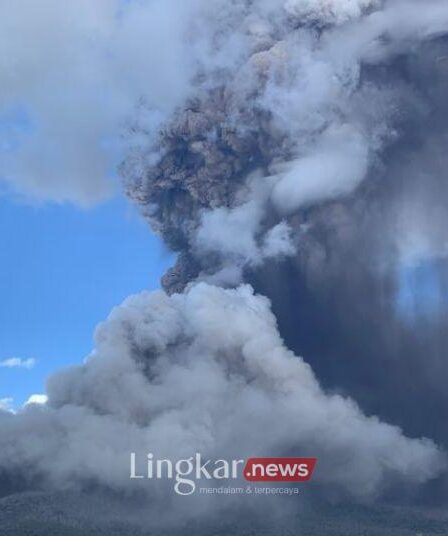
(204, 371)
(289, 109)
(275, 171)
(308, 160)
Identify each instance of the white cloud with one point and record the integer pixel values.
(6, 405)
(17, 362)
(36, 399)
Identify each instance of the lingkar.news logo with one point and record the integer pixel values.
(188, 471)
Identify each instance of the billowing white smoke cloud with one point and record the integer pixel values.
(204, 371)
(72, 75)
(231, 231)
(334, 168)
(237, 234)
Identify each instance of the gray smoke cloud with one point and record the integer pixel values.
(167, 377)
(284, 91)
(330, 123)
(300, 150)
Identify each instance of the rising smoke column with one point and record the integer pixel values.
(311, 163)
(273, 166)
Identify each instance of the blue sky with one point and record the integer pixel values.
(422, 289)
(62, 270)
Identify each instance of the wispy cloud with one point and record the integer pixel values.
(17, 362)
(6, 404)
(36, 399)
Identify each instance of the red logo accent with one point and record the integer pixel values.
(279, 469)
